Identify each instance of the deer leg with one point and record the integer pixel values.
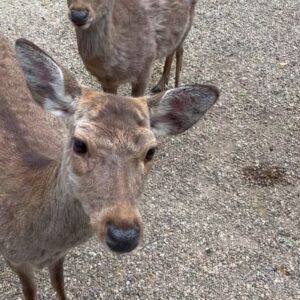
(179, 56)
(56, 271)
(163, 82)
(139, 87)
(26, 276)
(111, 88)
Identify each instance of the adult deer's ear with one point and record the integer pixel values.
(51, 85)
(176, 110)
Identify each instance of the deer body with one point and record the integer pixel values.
(79, 170)
(121, 39)
(31, 153)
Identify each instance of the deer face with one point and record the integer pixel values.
(84, 12)
(109, 155)
(111, 140)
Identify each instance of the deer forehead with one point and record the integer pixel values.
(111, 121)
(96, 105)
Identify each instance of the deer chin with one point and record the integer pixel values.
(84, 26)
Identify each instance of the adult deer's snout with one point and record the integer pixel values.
(122, 240)
(79, 16)
(120, 227)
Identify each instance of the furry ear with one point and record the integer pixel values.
(176, 110)
(51, 86)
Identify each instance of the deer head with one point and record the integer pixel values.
(110, 142)
(84, 12)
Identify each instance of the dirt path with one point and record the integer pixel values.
(222, 205)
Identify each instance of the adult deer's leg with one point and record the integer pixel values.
(139, 87)
(26, 276)
(56, 271)
(111, 88)
(163, 82)
(179, 56)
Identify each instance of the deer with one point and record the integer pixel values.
(119, 40)
(74, 160)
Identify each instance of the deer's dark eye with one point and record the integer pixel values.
(79, 146)
(150, 154)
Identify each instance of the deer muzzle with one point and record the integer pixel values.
(120, 227)
(79, 17)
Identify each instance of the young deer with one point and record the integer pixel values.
(118, 40)
(61, 184)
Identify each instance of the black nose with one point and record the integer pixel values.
(79, 17)
(122, 240)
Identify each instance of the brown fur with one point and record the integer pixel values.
(122, 214)
(122, 39)
(51, 197)
(32, 192)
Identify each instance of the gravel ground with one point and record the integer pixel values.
(221, 207)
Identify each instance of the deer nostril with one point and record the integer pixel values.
(122, 240)
(79, 17)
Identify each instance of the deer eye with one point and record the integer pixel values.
(79, 146)
(150, 154)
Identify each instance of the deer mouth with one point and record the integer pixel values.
(82, 26)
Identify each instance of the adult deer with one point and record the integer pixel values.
(60, 186)
(118, 40)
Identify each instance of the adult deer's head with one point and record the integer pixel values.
(84, 12)
(111, 140)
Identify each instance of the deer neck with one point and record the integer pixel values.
(61, 221)
(99, 38)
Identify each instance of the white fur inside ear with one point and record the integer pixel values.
(162, 130)
(179, 109)
(54, 108)
(58, 83)
(40, 69)
(46, 79)
(58, 104)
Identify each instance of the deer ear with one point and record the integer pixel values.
(51, 85)
(176, 110)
